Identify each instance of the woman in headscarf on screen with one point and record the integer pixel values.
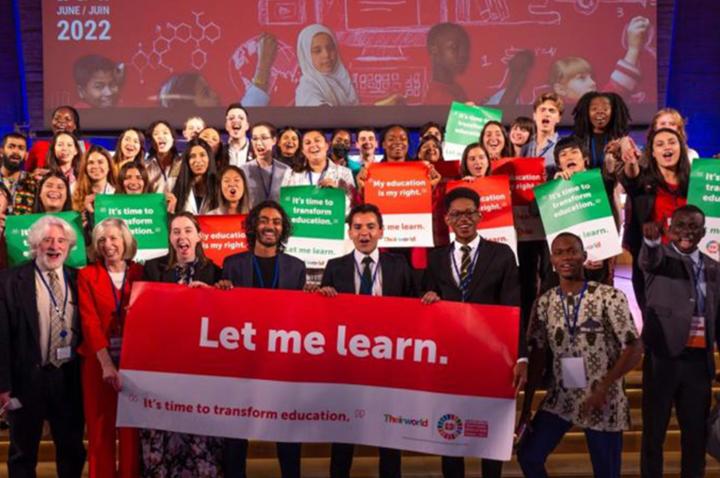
(324, 81)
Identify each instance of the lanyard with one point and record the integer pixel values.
(594, 163)
(571, 327)
(322, 174)
(118, 300)
(276, 272)
(697, 272)
(362, 281)
(464, 284)
(550, 144)
(268, 189)
(52, 296)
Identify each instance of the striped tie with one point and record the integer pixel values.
(57, 324)
(464, 266)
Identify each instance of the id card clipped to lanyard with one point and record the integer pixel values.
(573, 368)
(118, 321)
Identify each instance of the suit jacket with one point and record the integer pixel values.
(494, 279)
(156, 271)
(238, 269)
(256, 183)
(396, 275)
(97, 304)
(669, 282)
(20, 351)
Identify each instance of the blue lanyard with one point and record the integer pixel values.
(276, 272)
(322, 175)
(374, 276)
(465, 284)
(571, 327)
(594, 163)
(697, 272)
(118, 301)
(52, 296)
(549, 145)
(268, 189)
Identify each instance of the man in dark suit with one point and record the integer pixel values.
(366, 271)
(680, 330)
(472, 269)
(265, 266)
(39, 370)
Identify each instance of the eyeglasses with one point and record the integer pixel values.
(469, 214)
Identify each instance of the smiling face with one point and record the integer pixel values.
(365, 232)
(263, 142)
(686, 230)
(236, 124)
(198, 160)
(133, 182)
(184, 239)
(477, 162)
(102, 90)
(53, 195)
(546, 117)
(163, 138)
(494, 140)
(53, 248)
(323, 53)
(111, 246)
(567, 257)
(269, 227)
(315, 148)
(396, 144)
(63, 120)
(211, 137)
(130, 145)
(193, 126)
(289, 143)
(366, 142)
(65, 149)
(232, 186)
(429, 151)
(519, 136)
(463, 218)
(571, 159)
(97, 167)
(666, 150)
(600, 112)
(667, 120)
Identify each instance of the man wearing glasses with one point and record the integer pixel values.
(472, 269)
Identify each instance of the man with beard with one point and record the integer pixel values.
(13, 152)
(478, 271)
(39, 369)
(264, 266)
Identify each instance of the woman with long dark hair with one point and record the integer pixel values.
(196, 184)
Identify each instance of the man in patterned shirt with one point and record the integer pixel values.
(589, 330)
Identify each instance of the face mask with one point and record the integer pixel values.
(340, 151)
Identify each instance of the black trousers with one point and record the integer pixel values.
(454, 467)
(51, 394)
(341, 458)
(685, 382)
(235, 458)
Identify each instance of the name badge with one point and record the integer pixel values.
(116, 343)
(573, 372)
(64, 353)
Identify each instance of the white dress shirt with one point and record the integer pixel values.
(457, 253)
(360, 267)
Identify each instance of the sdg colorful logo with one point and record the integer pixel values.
(450, 426)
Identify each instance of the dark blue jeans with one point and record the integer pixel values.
(547, 430)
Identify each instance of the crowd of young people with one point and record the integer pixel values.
(576, 327)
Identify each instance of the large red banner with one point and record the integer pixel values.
(291, 350)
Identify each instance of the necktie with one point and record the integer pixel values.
(366, 282)
(57, 321)
(464, 265)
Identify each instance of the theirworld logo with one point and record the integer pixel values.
(412, 422)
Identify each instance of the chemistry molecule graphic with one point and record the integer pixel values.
(196, 35)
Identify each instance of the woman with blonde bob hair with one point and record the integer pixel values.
(104, 291)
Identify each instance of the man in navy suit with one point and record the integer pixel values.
(264, 266)
(472, 269)
(366, 271)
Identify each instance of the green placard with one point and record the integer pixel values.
(16, 231)
(464, 124)
(704, 187)
(145, 215)
(565, 203)
(315, 212)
